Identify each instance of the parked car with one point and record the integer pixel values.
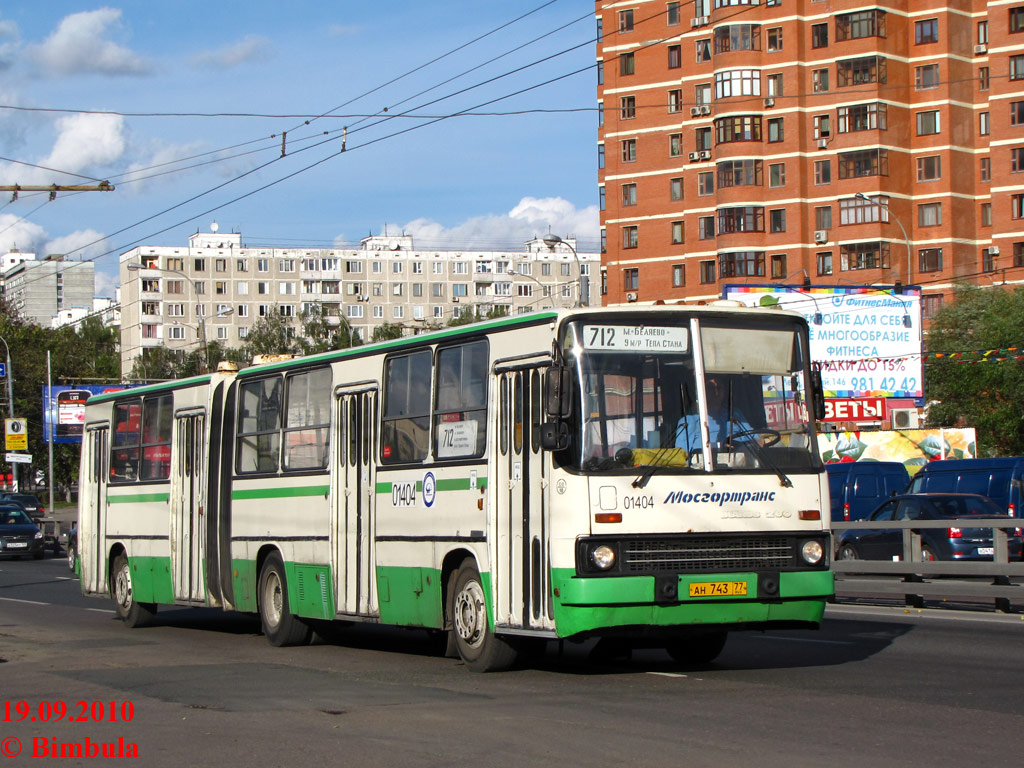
(72, 548)
(857, 488)
(998, 479)
(952, 543)
(19, 536)
(36, 511)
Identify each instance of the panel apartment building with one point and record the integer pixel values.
(41, 289)
(218, 288)
(832, 141)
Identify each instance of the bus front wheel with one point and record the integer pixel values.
(129, 610)
(279, 625)
(697, 649)
(481, 650)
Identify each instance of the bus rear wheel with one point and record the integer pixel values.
(129, 610)
(697, 649)
(279, 625)
(481, 650)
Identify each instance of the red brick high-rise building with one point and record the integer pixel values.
(829, 140)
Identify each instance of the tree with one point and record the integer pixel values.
(270, 335)
(320, 335)
(475, 316)
(386, 332)
(988, 396)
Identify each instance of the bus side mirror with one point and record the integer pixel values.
(557, 385)
(554, 436)
(819, 394)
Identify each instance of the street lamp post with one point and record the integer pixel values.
(906, 238)
(10, 402)
(204, 362)
(551, 240)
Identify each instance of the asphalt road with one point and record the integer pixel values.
(874, 687)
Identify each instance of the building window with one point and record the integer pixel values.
(929, 168)
(1017, 206)
(199, 265)
(1018, 254)
(983, 124)
(822, 172)
(853, 210)
(703, 137)
(747, 218)
(705, 183)
(630, 237)
(702, 94)
(706, 228)
(774, 36)
(774, 85)
(983, 78)
(678, 276)
(675, 100)
(629, 194)
(739, 173)
(867, 69)
(629, 150)
(779, 266)
(672, 14)
(675, 144)
(854, 26)
(869, 255)
(928, 122)
(929, 214)
(776, 132)
(741, 264)
(627, 107)
(865, 162)
(819, 80)
(675, 188)
(822, 126)
(926, 77)
(1016, 159)
(631, 279)
(777, 220)
(175, 332)
(675, 56)
(819, 35)
(626, 21)
(1016, 20)
(986, 169)
(737, 82)
(740, 128)
(929, 259)
(926, 31)
(707, 272)
(1017, 67)
(677, 233)
(627, 63)
(704, 50)
(1017, 113)
(824, 260)
(738, 37)
(930, 305)
(823, 217)
(986, 214)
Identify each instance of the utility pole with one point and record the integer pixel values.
(53, 189)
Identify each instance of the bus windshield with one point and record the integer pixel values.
(709, 394)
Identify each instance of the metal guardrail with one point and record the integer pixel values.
(915, 579)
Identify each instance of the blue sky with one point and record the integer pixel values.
(483, 181)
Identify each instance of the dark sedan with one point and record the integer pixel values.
(18, 534)
(957, 542)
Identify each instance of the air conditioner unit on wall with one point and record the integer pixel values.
(694, 155)
(694, 111)
(993, 250)
(822, 143)
(769, 102)
(905, 418)
(820, 236)
(705, 155)
(631, 296)
(981, 48)
(694, 23)
(705, 109)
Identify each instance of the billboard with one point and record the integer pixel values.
(64, 410)
(867, 338)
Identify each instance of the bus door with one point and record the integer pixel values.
(92, 514)
(521, 563)
(352, 501)
(187, 506)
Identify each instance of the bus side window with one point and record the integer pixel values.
(157, 418)
(460, 413)
(124, 448)
(307, 419)
(259, 424)
(406, 422)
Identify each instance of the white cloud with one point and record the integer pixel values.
(81, 45)
(251, 48)
(530, 218)
(85, 142)
(8, 43)
(23, 235)
(83, 244)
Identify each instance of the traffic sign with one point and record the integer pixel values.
(19, 458)
(17, 434)
(3, 370)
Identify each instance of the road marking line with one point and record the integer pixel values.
(100, 610)
(15, 600)
(667, 674)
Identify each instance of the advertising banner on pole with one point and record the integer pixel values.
(64, 410)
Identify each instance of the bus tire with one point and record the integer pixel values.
(129, 610)
(697, 649)
(279, 625)
(481, 650)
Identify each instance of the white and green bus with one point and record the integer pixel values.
(559, 474)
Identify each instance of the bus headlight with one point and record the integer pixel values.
(812, 552)
(603, 557)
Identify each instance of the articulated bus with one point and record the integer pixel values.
(503, 483)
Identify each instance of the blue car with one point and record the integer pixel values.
(953, 543)
(19, 536)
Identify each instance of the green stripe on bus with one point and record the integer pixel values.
(280, 493)
(452, 484)
(134, 498)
